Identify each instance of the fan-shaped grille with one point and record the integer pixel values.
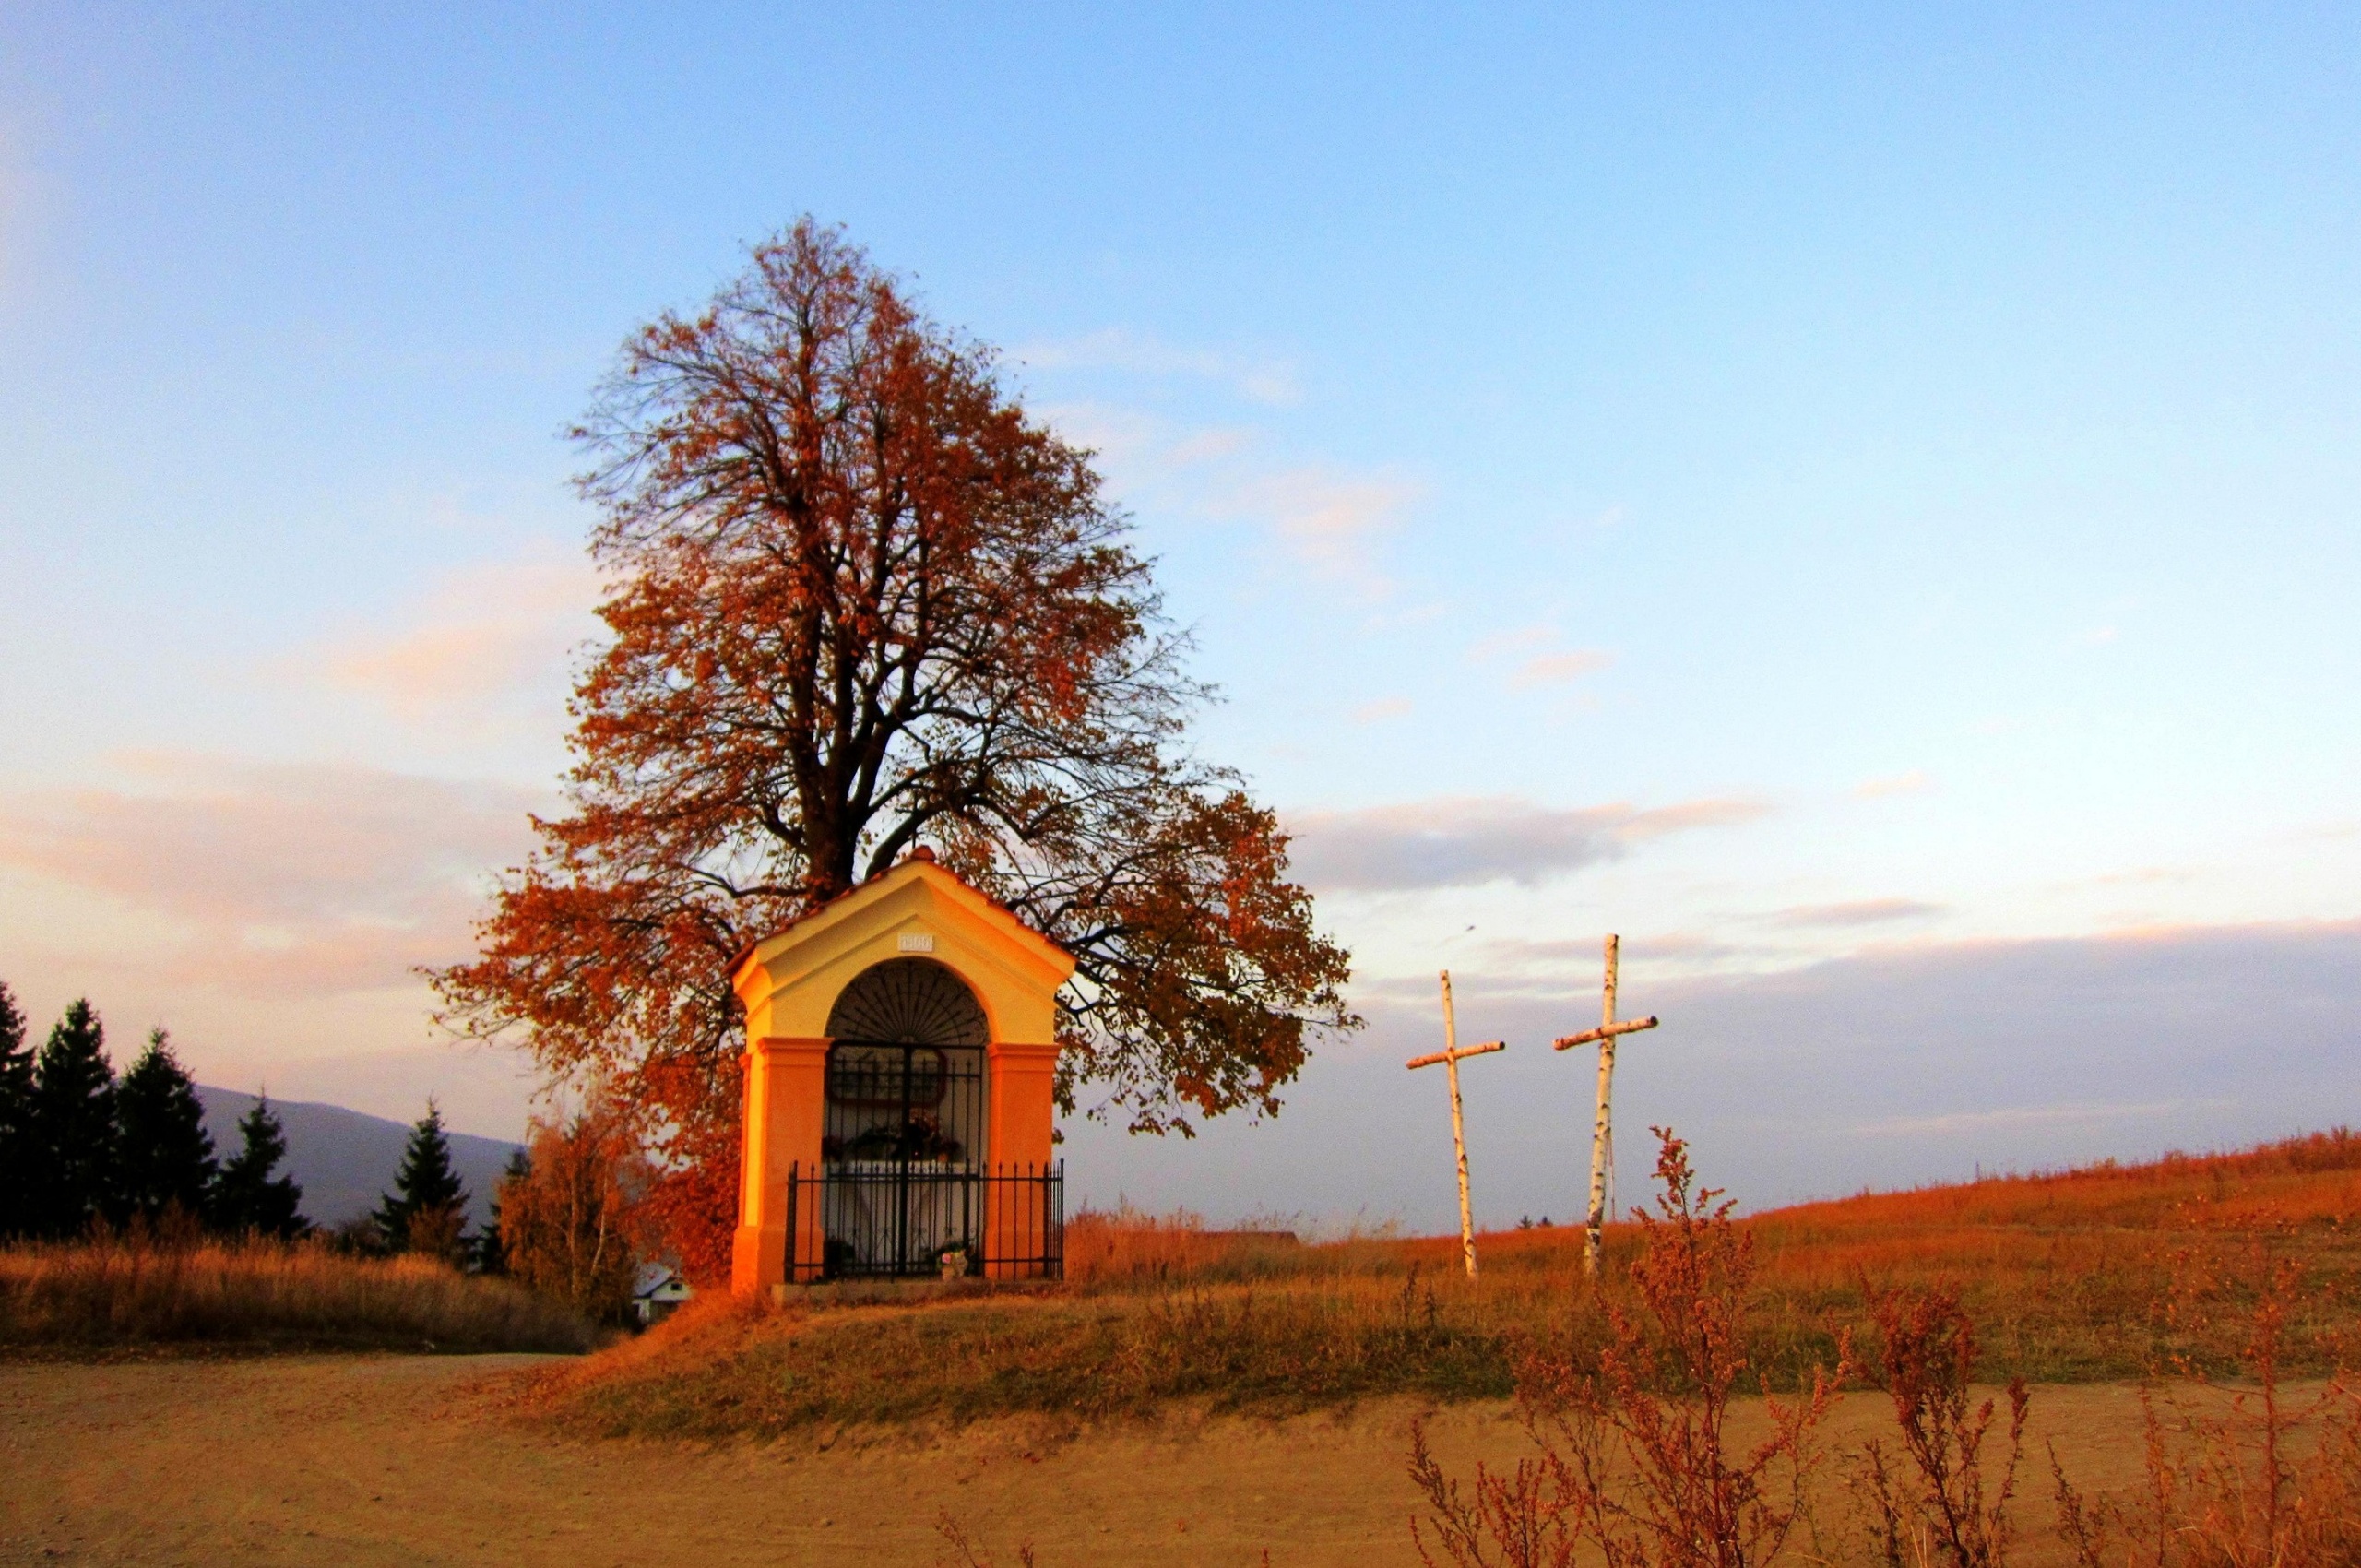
(909, 1002)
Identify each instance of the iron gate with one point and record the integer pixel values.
(1004, 1222)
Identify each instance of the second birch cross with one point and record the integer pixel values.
(1449, 1056)
(1602, 1137)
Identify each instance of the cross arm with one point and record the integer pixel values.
(1629, 1025)
(1464, 1050)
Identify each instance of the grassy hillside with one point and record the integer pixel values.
(2109, 1272)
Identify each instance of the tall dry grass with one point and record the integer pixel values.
(1128, 1248)
(112, 1294)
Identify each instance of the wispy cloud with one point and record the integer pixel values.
(1914, 782)
(1259, 378)
(313, 878)
(2013, 1117)
(1384, 708)
(1557, 668)
(1537, 661)
(2144, 876)
(1582, 957)
(1327, 519)
(1330, 520)
(1510, 641)
(1868, 911)
(484, 635)
(1459, 841)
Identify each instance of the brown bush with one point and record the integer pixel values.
(971, 1552)
(1939, 1512)
(1631, 1461)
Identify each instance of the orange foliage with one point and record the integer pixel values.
(571, 1224)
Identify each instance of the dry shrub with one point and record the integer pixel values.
(1126, 1246)
(711, 1329)
(2316, 1176)
(2250, 1478)
(1939, 1514)
(1632, 1465)
(261, 1293)
(437, 1232)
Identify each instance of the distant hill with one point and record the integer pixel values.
(345, 1160)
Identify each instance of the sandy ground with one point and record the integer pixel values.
(406, 1460)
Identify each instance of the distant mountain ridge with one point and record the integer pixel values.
(345, 1160)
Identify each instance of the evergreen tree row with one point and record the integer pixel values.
(79, 1146)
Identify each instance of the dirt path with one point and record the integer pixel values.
(397, 1460)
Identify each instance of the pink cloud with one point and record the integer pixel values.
(483, 638)
(1330, 521)
(1464, 841)
(1556, 669)
(1911, 783)
(1867, 911)
(316, 878)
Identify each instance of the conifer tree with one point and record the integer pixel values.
(165, 1155)
(15, 1120)
(426, 1208)
(73, 1121)
(491, 1252)
(250, 1200)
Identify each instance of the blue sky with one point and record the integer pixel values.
(1860, 501)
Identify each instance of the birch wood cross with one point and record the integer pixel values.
(1450, 1057)
(1602, 1137)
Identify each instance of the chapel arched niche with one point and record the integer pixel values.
(909, 1002)
(907, 1080)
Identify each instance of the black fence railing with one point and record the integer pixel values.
(912, 1219)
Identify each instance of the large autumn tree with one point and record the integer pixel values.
(862, 601)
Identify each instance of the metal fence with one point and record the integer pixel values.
(907, 1218)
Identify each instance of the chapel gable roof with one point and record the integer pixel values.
(917, 873)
